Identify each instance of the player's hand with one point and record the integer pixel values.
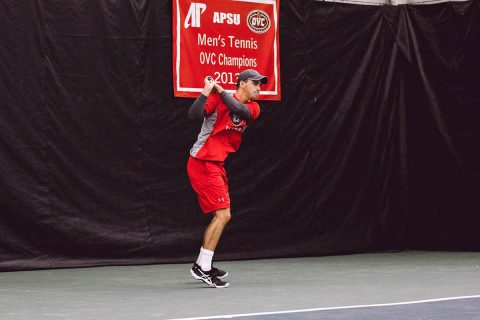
(218, 88)
(209, 83)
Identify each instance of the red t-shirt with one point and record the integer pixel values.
(222, 130)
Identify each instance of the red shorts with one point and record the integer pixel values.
(209, 180)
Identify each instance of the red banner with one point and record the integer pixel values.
(221, 38)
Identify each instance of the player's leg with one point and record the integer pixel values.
(214, 197)
(203, 265)
(215, 229)
(210, 182)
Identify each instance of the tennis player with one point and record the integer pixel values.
(225, 117)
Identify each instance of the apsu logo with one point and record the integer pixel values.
(193, 15)
(258, 21)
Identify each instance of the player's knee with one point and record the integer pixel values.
(223, 215)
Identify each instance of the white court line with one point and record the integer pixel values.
(328, 308)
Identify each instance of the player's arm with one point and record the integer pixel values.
(197, 109)
(233, 104)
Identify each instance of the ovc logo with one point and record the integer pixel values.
(193, 15)
(258, 21)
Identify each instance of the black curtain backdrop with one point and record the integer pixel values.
(375, 145)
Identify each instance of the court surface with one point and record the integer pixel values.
(405, 285)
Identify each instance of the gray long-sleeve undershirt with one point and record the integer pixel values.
(197, 109)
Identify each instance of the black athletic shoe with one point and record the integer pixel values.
(207, 277)
(220, 274)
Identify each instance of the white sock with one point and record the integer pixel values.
(205, 259)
